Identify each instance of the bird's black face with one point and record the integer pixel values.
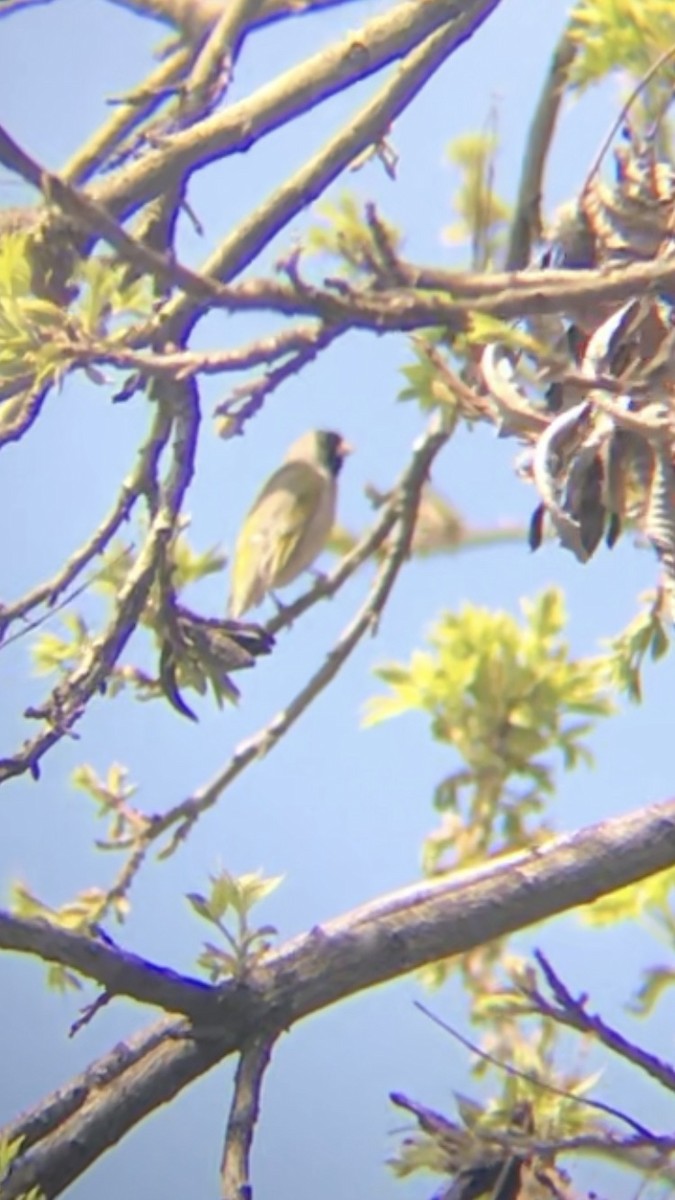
(332, 450)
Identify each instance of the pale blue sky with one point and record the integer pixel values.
(339, 811)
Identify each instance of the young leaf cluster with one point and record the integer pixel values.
(504, 696)
(227, 907)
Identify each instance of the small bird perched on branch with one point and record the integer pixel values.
(289, 522)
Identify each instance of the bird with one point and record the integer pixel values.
(289, 521)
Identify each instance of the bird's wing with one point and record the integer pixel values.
(270, 533)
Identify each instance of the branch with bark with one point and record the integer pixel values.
(383, 940)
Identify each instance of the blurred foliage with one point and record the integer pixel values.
(424, 381)
(620, 35)
(84, 913)
(647, 635)
(234, 896)
(60, 653)
(111, 796)
(484, 329)
(504, 697)
(79, 915)
(38, 337)
(10, 1150)
(27, 324)
(467, 1151)
(108, 300)
(648, 903)
(345, 234)
(482, 216)
(439, 527)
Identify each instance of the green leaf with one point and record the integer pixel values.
(655, 982)
(620, 35)
(201, 906)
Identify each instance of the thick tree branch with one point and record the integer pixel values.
(118, 972)
(437, 297)
(368, 127)
(194, 18)
(360, 54)
(370, 945)
(212, 69)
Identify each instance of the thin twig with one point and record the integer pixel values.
(605, 1140)
(473, 405)
(128, 114)
(622, 114)
(572, 1013)
(28, 403)
(31, 626)
(247, 400)
(235, 1172)
(143, 474)
(184, 364)
(535, 1080)
(69, 699)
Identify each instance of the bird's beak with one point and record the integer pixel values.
(345, 448)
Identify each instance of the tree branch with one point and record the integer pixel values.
(383, 940)
(534, 1080)
(185, 364)
(369, 126)
(437, 297)
(194, 18)
(143, 472)
(68, 700)
(235, 1170)
(572, 1013)
(360, 54)
(215, 60)
(527, 223)
(117, 971)
(247, 399)
(128, 114)
(9, 7)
